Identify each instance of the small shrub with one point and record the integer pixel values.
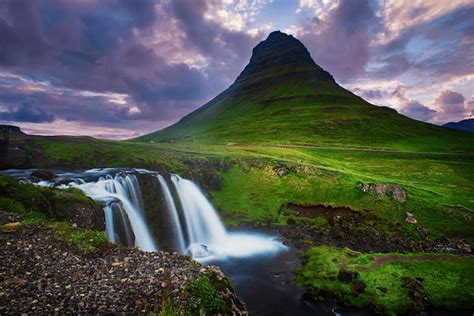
(205, 297)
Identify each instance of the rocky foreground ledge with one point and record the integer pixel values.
(42, 275)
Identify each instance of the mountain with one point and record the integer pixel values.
(464, 125)
(283, 96)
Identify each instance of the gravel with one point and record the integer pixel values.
(42, 275)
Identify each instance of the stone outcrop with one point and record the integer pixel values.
(391, 189)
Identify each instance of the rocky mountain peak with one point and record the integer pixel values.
(279, 51)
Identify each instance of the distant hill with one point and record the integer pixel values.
(10, 129)
(464, 125)
(283, 97)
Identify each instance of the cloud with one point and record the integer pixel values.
(141, 65)
(416, 110)
(164, 58)
(453, 106)
(371, 94)
(339, 40)
(412, 108)
(27, 113)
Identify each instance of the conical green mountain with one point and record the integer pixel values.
(283, 97)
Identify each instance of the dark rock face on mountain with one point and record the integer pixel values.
(281, 51)
(464, 125)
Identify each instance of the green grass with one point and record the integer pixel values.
(393, 287)
(328, 177)
(205, 298)
(35, 204)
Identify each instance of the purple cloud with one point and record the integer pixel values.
(340, 42)
(27, 113)
(416, 110)
(451, 103)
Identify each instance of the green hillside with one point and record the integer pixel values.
(284, 97)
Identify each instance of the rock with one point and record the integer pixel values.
(409, 218)
(43, 174)
(280, 171)
(392, 189)
(347, 275)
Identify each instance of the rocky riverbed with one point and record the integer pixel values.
(42, 275)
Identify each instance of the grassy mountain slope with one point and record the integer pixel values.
(283, 97)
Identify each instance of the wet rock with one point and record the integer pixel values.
(392, 189)
(43, 175)
(409, 218)
(207, 172)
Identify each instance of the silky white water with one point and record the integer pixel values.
(208, 238)
(122, 188)
(171, 206)
(109, 224)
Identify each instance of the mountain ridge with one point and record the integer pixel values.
(463, 125)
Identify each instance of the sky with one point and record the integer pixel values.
(121, 68)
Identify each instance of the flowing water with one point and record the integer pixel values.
(173, 211)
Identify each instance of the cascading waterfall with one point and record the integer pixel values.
(202, 223)
(196, 229)
(171, 207)
(109, 224)
(124, 191)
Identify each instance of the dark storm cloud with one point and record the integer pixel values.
(340, 42)
(27, 113)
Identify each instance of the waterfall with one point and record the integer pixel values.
(202, 223)
(123, 190)
(109, 224)
(196, 228)
(173, 212)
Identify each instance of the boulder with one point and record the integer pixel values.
(392, 189)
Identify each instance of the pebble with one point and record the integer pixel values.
(59, 279)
